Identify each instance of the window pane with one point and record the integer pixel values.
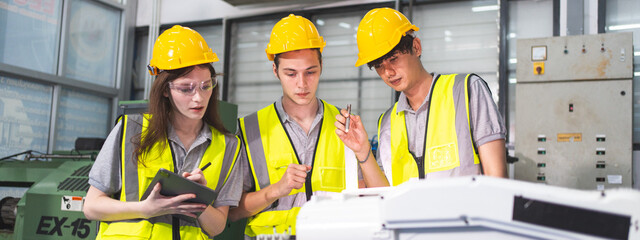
(460, 38)
(80, 115)
(25, 113)
(92, 43)
(29, 34)
(341, 52)
(252, 84)
(622, 16)
(140, 67)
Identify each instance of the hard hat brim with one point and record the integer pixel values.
(386, 47)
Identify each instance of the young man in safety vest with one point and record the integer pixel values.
(441, 125)
(292, 149)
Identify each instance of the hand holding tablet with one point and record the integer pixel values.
(173, 184)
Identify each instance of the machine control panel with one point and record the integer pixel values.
(573, 113)
(582, 57)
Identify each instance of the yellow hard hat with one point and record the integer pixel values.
(293, 33)
(179, 47)
(380, 31)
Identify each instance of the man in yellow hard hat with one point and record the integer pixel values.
(292, 150)
(441, 126)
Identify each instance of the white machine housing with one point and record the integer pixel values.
(476, 207)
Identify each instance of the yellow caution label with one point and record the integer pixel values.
(569, 137)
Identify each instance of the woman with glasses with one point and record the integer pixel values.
(182, 132)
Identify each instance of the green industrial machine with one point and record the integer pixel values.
(43, 199)
(41, 196)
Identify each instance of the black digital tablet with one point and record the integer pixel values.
(173, 184)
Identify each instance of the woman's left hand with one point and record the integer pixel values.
(196, 176)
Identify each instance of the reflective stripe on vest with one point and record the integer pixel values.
(136, 177)
(270, 152)
(447, 134)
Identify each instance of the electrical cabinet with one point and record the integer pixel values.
(574, 111)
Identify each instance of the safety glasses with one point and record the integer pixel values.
(190, 88)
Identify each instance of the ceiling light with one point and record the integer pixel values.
(623, 27)
(485, 8)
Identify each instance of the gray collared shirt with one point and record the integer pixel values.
(487, 121)
(189, 159)
(304, 143)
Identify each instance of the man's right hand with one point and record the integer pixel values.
(293, 178)
(356, 139)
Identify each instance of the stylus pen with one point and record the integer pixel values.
(346, 124)
(205, 166)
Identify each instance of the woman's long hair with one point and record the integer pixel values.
(161, 111)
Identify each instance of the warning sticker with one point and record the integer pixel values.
(614, 179)
(72, 203)
(569, 137)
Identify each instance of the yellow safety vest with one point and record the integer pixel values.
(442, 144)
(136, 177)
(270, 151)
